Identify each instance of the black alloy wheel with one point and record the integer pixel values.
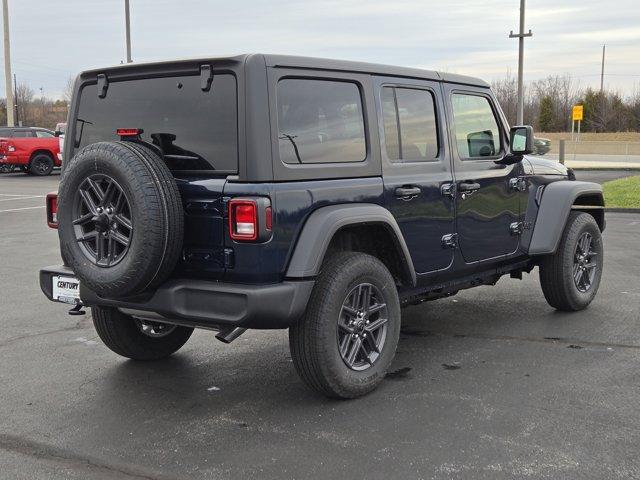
(102, 220)
(41, 165)
(362, 326)
(584, 263)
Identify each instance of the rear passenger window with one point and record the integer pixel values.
(410, 127)
(477, 132)
(320, 121)
(23, 133)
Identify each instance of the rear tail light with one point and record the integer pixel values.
(52, 210)
(243, 220)
(129, 132)
(250, 219)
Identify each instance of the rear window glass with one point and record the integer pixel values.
(194, 129)
(320, 121)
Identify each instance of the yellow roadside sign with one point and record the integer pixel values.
(577, 113)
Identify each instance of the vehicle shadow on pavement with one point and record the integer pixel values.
(22, 175)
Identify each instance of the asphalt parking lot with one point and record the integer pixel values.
(491, 383)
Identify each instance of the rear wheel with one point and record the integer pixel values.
(570, 277)
(41, 165)
(347, 339)
(138, 339)
(6, 168)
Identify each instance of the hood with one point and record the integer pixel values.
(543, 166)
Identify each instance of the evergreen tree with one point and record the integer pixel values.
(546, 116)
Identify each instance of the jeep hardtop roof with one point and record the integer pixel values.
(290, 61)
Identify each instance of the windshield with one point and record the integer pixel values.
(192, 128)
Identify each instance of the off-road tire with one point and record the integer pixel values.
(41, 165)
(556, 270)
(313, 339)
(156, 211)
(120, 333)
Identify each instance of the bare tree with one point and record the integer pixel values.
(506, 91)
(67, 93)
(24, 97)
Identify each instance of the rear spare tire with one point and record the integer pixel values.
(120, 218)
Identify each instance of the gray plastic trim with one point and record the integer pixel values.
(557, 199)
(325, 222)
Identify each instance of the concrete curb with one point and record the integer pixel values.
(621, 210)
(611, 169)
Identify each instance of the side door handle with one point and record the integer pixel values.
(405, 192)
(468, 187)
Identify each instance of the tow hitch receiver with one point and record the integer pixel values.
(77, 310)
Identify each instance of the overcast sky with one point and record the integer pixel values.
(51, 40)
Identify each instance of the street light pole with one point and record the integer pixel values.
(7, 65)
(520, 36)
(128, 29)
(602, 71)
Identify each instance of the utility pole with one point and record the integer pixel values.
(7, 65)
(15, 101)
(602, 71)
(520, 36)
(127, 21)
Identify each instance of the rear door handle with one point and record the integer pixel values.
(404, 192)
(468, 187)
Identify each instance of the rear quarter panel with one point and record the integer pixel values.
(292, 204)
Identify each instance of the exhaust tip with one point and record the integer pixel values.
(228, 336)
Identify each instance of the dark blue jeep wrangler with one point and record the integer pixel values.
(265, 191)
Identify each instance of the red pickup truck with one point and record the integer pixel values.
(34, 150)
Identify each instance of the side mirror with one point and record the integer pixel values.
(521, 140)
(58, 133)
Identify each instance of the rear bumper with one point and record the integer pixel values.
(205, 304)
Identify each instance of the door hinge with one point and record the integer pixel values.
(450, 240)
(229, 258)
(518, 183)
(516, 228)
(206, 77)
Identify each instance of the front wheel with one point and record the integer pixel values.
(347, 339)
(570, 277)
(138, 339)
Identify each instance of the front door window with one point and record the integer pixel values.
(476, 129)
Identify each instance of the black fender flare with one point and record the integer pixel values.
(322, 225)
(557, 200)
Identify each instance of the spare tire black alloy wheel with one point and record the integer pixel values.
(102, 220)
(362, 326)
